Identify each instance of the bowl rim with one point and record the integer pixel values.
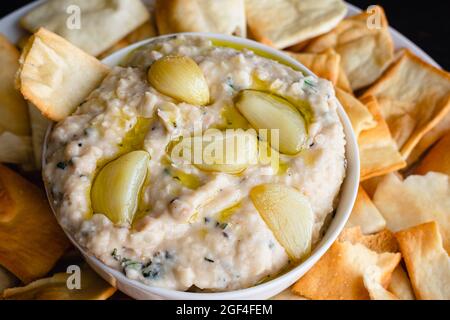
(284, 280)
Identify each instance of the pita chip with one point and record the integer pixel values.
(13, 108)
(339, 274)
(55, 288)
(365, 52)
(370, 185)
(383, 241)
(372, 278)
(400, 285)
(430, 138)
(365, 215)
(7, 279)
(15, 149)
(415, 200)
(377, 150)
(39, 125)
(360, 116)
(30, 239)
(287, 295)
(324, 65)
(413, 97)
(284, 23)
(427, 262)
(226, 16)
(93, 26)
(56, 76)
(342, 82)
(438, 159)
(147, 30)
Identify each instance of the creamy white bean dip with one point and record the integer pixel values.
(224, 244)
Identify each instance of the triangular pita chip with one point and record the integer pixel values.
(13, 108)
(383, 241)
(93, 26)
(147, 30)
(283, 23)
(338, 275)
(15, 149)
(39, 126)
(365, 215)
(56, 76)
(370, 185)
(400, 285)
(413, 97)
(372, 278)
(360, 116)
(92, 287)
(226, 16)
(288, 294)
(427, 262)
(366, 50)
(342, 82)
(430, 138)
(415, 200)
(438, 159)
(30, 239)
(377, 150)
(7, 279)
(324, 65)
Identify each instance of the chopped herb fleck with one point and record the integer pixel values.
(225, 235)
(222, 226)
(61, 165)
(209, 260)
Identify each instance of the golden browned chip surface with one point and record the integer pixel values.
(400, 284)
(56, 76)
(7, 279)
(39, 125)
(227, 16)
(372, 282)
(288, 294)
(30, 239)
(378, 152)
(339, 273)
(415, 200)
(413, 97)
(283, 23)
(383, 241)
(147, 30)
(360, 116)
(438, 159)
(13, 108)
(92, 287)
(342, 82)
(370, 185)
(324, 65)
(427, 262)
(93, 26)
(365, 51)
(430, 138)
(365, 215)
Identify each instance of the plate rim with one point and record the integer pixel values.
(10, 27)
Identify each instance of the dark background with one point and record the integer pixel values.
(426, 22)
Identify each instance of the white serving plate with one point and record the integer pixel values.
(10, 27)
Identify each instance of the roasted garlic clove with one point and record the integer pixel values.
(287, 212)
(181, 78)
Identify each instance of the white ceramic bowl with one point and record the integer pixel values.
(266, 290)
